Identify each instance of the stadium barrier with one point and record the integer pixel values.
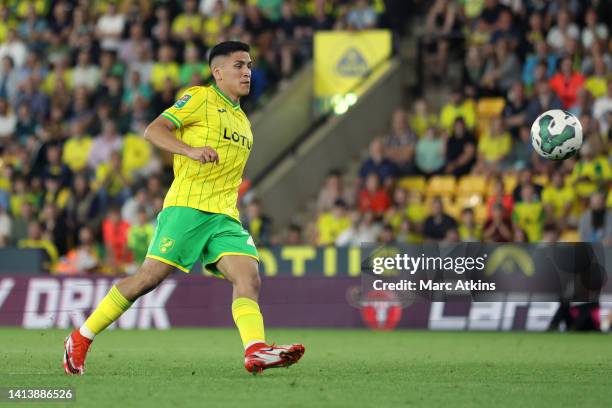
(38, 302)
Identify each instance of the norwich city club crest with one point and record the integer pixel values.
(166, 245)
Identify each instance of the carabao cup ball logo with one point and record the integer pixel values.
(556, 134)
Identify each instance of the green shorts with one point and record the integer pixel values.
(185, 235)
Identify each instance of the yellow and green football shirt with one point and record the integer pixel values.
(204, 116)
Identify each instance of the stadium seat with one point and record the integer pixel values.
(441, 185)
(454, 210)
(412, 183)
(570, 236)
(472, 185)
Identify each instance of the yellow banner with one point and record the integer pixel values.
(342, 59)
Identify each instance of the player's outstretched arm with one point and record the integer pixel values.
(160, 132)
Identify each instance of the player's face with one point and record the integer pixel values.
(237, 73)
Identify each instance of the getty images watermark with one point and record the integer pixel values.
(488, 272)
(407, 264)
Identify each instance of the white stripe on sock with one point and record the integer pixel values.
(85, 332)
(250, 343)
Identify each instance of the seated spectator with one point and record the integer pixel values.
(399, 145)
(332, 191)
(473, 66)
(501, 70)
(8, 122)
(139, 235)
(430, 153)
(468, 229)
(536, 33)
(193, 66)
(396, 213)
(109, 28)
(361, 16)
(596, 223)
(114, 235)
(545, 99)
(460, 150)
(566, 83)
(500, 197)
(421, 119)
(85, 73)
(528, 214)
(54, 166)
(165, 69)
(525, 179)
(515, 110)
(596, 83)
(104, 145)
(257, 223)
(189, 22)
(564, 30)
(330, 224)
(54, 192)
(140, 200)
(441, 24)
(438, 223)
(20, 223)
(590, 173)
(20, 194)
(602, 107)
(456, 108)
(593, 31)
(494, 145)
(6, 226)
(558, 200)
(364, 230)
(373, 196)
(377, 163)
(83, 206)
(497, 228)
(294, 236)
(540, 56)
(86, 257)
(36, 239)
(112, 180)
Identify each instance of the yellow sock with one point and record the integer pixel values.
(249, 321)
(110, 308)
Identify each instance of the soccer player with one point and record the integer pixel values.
(211, 139)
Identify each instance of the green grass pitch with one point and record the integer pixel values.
(357, 368)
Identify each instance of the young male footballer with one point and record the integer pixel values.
(211, 139)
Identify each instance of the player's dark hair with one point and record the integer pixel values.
(227, 48)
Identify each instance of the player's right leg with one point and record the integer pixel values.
(118, 300)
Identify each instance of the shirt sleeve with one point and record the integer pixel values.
(183, 112)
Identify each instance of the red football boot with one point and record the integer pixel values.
(259, 357)
(75, 350)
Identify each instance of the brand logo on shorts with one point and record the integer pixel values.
(166, 245)
(182, 101)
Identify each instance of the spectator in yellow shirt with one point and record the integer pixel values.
(330, 224)
(77, 147)
(190, 20)
(458, 107)
(113, 177)
(494, 146)
(37, 240)
(590, 172)
(528, 215)
(165, 68)
(558, 200)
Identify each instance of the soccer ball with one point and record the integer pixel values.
(556, 134)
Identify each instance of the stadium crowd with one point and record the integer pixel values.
(467, 171)
(79, 82)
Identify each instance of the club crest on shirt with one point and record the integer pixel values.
(182, 101)
(166, 245)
